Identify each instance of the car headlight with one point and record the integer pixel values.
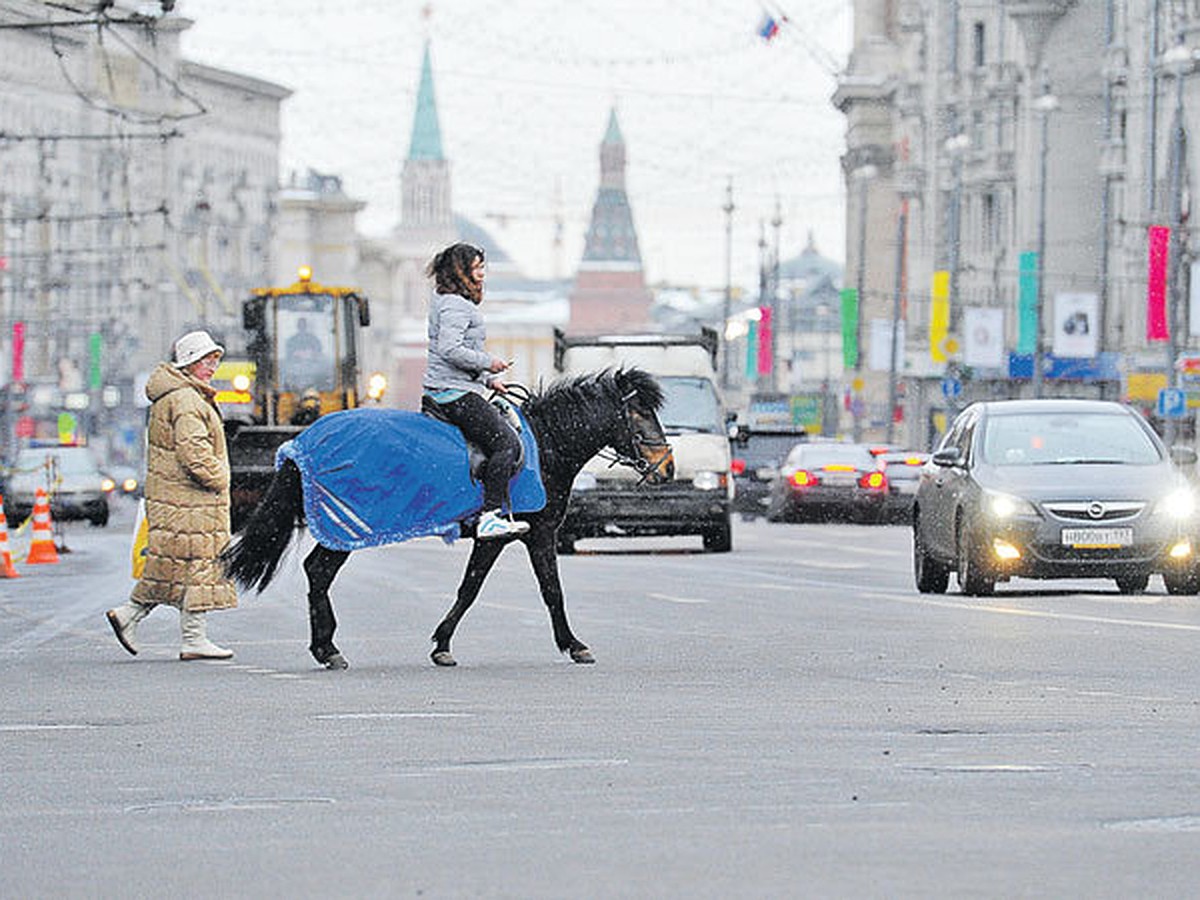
(584, 481)
(1006, 506)
(709, 481)
(107, 484)
(1179, 504)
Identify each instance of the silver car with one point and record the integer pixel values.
(1054, 489)
(76, 487)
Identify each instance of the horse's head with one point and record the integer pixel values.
(640, 438)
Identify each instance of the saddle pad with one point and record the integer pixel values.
(378, 476)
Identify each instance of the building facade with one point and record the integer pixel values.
(1024, 149)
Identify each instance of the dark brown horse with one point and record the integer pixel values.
(572, 421)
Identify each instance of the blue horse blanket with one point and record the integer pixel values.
(378, 476)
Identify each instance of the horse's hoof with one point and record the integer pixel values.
(442, 658)
(582, 655)
(336, 662)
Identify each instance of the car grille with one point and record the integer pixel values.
(1095, 510)
(1059, 553)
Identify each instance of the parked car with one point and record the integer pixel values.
(828, 481)
(903, 468)
(74, 483)
(1054, 489)
(757, 455)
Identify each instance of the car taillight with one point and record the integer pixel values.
(737, 466)
(873, 481)
(803, 478)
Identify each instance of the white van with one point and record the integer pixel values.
(606, 500)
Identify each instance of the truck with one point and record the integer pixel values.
(302, 362)
(609, 501)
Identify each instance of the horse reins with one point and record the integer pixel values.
(660, 450)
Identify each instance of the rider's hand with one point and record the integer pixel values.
(499, 386)
(498, 364)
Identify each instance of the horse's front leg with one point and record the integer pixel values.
(321, 566)
(540, 544)
(483, 557)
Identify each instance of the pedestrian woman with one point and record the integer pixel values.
(459, 372)
(187, 502)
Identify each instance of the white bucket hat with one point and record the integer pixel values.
(194, 346)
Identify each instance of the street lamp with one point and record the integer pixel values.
(1043, 106)
(863, 176)
(727, 208)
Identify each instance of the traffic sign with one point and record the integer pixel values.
(1172, 403)
(951, 387)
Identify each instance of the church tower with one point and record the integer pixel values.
(610, 288)
(426, 216)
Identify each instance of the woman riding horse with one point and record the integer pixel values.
(571, 421)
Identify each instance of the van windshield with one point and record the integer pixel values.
(689, 404)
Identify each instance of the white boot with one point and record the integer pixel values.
(124, 620)
(196, 644)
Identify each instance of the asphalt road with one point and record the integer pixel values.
(790, 719)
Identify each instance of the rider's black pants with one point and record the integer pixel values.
(483, 424)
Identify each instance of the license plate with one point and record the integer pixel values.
(838, 479)
(1097, 538)
(906, 487)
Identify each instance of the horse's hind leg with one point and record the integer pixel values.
(321, 566)
(545, 568)
(483, 557)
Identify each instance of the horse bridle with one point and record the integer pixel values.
(660, 450)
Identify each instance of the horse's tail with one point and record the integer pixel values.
(251, 560)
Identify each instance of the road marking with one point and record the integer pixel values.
(671, 599)
(515, 765)
(976, 606)
(392, 715)
(36, 727)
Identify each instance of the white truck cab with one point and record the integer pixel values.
(607, 500)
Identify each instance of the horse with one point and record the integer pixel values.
(572, 420)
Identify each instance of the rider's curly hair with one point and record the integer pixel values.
(451, 271)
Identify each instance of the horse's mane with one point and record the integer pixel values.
(595, 391)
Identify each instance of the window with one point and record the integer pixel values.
(978, 45)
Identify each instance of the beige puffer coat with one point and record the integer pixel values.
(187, 496)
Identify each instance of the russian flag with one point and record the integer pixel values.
(767, 27)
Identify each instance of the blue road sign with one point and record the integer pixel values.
(951, 387)
(1172, 403)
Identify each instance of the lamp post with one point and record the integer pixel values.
(862, 176)
(728, 210)
(1043, 106)
(1178, 60)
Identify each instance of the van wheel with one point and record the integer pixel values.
(719, 539)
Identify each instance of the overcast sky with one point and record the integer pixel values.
(523, 90)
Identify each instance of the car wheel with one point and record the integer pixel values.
(1133, 584)
(718, 539)
(973, 579)
(1186, 582)
(565, 544)
(931, 576)
(100, 519)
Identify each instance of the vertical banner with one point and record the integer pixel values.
(939, 315)
(1027, 313)
(766, 343)
(1075, 323)
(879, 350)
(95, 372)
(983, 337)
(1194, 299)
(751, 351)
(18, 351)
(849, 328)
(1156, 283)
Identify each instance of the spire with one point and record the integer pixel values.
(426, 134)
(611, 237)
(613, 134)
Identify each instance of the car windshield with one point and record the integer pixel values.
(764, 449)
(832, 454)
(70, 461)
(1036, 439)
(689, 404)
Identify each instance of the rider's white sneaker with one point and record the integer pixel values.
(493, 525)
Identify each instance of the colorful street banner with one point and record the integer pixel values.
(1159, 239)
(939, 315)
(18, 352)
(751, 350)
(1027, 313)
(765, 342)
(849, 328)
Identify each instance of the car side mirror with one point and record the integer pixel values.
(947, 457)
(1183, 455)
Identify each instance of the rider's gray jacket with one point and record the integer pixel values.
(456, 358)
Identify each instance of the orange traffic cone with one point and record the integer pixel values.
(6, 563)
(41, 548)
